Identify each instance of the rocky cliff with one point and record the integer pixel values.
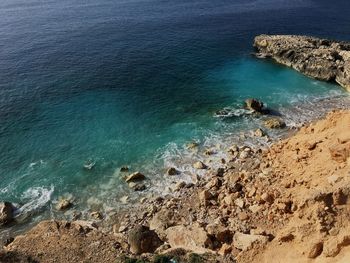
(318, 58)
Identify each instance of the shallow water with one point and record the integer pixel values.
(131, 82)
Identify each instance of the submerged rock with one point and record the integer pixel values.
(124, 169)
(274, 123)
(143, 240)
(6, 213)
(192, 145)
(317, 58)
(64, 204)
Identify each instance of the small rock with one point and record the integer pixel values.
(340, 153)
(199, 165)
(315, 250)
(243, 216)
(239, 202)
(192, 145)
(172, 171)
(96, 215)
(124, 169)
(6, 213)
(259, 133)
(64, 204)
(243, 155)
(143, 240)
(255, 208)
(135, 177)
(124, 199)
(274, 123)
(179, 185)
(268, 198)
(137, 186)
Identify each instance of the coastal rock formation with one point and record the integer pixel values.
(317, 58)
(6, 213)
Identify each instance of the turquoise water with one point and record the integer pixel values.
(130, 83)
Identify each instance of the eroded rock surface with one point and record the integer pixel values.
(318, 58)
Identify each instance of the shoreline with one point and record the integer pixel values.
(189, 208)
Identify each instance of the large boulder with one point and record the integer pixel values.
(137, 176)
(6, 213)
(143, 240)
(162, 220)
(191, 237)
(254, 105)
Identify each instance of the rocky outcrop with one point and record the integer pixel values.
(6, 212)
(317, 58)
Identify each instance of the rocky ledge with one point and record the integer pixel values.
(317, 58)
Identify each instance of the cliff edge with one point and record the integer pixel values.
(317, 58)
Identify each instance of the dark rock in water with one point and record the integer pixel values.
(143, 240)
(254, 105)
(6, 213)
(317, 58)
(124, 169)
(137, 186)
(172, 171)
(274, 123)
(135, 177)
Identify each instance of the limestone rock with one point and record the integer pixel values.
(191, 237)
(245, 241)
(199, 165)
(143, 240)
(317, 58)
(274, 123)
(64, 204)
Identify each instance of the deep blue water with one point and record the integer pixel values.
(126, 82)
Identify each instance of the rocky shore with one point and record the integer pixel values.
(286, 201)
(317, 58)
(290, 201)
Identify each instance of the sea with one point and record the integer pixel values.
(87, 87)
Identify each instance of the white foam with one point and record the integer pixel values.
(36, 197)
